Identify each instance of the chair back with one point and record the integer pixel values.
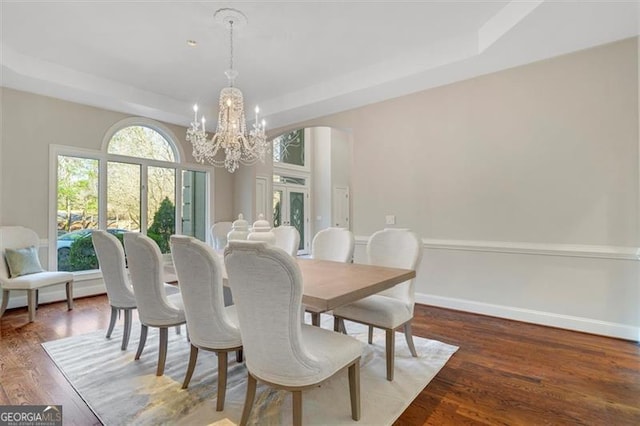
(334, 244)
(111, 259)
(267, 289)
(14, 237)
(396, 248)
(199, 271)
(145, 266)
(288, 239)
(219, 233)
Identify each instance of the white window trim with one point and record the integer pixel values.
(103, 158)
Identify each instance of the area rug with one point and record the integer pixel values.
(121, 391)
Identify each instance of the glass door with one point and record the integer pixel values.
(291, 207)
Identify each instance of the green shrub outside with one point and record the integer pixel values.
(164, 225)
(82, 255)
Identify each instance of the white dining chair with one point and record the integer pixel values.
(392, 308)
(111, 260)
(155, 307)
(279, 349)
(287, 238)
(334, 244)
(218, 233)
(20, 269)
(112, 263)
(211, 325)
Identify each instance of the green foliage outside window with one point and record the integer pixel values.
(82, 255)
(164, 225)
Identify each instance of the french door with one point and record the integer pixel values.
(291, 207)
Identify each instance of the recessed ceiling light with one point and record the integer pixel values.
(192, 43)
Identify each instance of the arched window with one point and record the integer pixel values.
(142, 142)
(136, 183)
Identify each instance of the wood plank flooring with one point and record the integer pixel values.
(505, 372)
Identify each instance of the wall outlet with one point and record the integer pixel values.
(390, 219)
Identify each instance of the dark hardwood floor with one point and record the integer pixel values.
(505, 372)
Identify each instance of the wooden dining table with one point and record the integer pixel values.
(327, 285)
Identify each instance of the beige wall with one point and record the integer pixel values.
(537, 163)
(542, 153)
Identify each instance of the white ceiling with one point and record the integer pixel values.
(298, 60)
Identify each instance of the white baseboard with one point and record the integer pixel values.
(585, 325)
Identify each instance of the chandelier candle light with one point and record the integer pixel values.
(231, 145)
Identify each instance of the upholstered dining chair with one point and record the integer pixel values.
(279, 349)
(335, 244)
(287, 238)
(111, 259)
(20, 268)
(211, 326)
(392, 308)
(219, 232)
(155, 307)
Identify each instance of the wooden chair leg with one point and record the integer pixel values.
(126, 333)
(37, 298)
(409, 337)
(162, 350)
(336, 324)
(297, 408)
(143, 339)
(315, 319)
(5, 301)
(354, 389)
(31, 302)
(193, 357)
(342, 327)
(248, 399)
(391, 349)
(222, 379)
(112, 322)
(69, 288)
(239, 356)
(370, 334)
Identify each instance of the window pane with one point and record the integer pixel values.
(161, 199)
(77, 200)
(142, 142)
(123, 196)
(194, 204)
(296, 214)
(289, 179)
(289, 148)
(277, 208)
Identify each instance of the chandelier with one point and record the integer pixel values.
(231, 145)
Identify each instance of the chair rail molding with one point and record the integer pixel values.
(540, 249)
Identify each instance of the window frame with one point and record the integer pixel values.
(103, 158)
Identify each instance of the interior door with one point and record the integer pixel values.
(291, 207)
(341, 207)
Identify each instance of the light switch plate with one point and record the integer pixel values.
(390, 219)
